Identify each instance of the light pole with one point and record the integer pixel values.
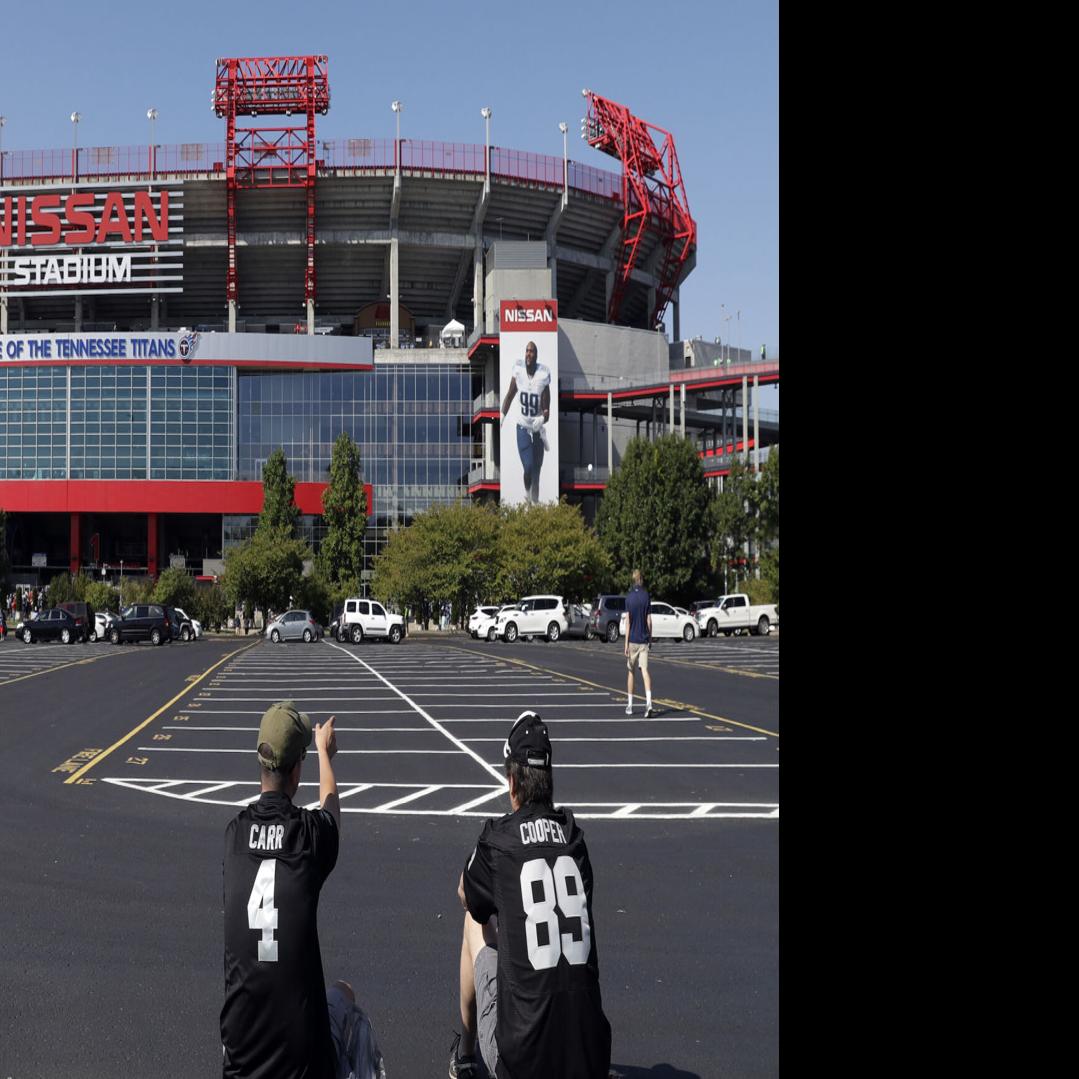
(121, 584)
(3, 120)
(397, 106)
(485, 112)
(722, 340)
(563, 127)
(151, 115)
(75, 118)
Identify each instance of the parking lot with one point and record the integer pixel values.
(131, 798)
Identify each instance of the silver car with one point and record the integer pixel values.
(294, 626)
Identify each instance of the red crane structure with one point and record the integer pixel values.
(261, 157)
(653, 197)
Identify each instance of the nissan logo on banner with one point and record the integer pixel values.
(92, 238)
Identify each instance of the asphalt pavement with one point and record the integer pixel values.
(125, 764)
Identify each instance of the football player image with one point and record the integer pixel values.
(530, 383)
(529, 970)
(278, 1022)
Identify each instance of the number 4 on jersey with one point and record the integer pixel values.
(261, 913)
(573, 905)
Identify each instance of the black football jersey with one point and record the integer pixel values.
(531, 868)
(274, 1022)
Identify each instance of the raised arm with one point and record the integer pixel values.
(326, 742)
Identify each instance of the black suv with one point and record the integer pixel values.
(83, 614)
(142, 622)
(177, 624)
(606, 614)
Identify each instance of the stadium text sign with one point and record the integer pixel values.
(118, 239)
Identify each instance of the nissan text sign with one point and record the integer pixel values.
(91, 238)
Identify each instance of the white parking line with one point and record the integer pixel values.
(430, 719)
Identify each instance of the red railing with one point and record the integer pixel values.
(375, 154)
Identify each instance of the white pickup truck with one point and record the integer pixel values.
(362, 618)
(733, 614)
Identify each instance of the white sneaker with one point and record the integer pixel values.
(629, 709)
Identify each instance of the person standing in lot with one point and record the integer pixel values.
(529, 971)
(275, 1023)
(637, 633)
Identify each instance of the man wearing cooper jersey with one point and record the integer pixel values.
(530, 996)
(274, 1022)
(530, 382)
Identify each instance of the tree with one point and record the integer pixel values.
(176, 589)
(279, 511)
(549, 548)
(212, 608)
(655, 516)
(449, 554)
(734, 523)
(265, 571)
(101, 596)
(344, 509)
(766, 499)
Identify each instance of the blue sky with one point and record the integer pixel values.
(705, 71)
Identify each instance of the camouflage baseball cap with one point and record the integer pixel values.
(287, 732)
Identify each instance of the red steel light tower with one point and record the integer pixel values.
(653, 196)
(261, 157)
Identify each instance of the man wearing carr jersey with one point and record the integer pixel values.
(275, 1023)
(530, 996)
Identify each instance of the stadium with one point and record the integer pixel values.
(171, 314)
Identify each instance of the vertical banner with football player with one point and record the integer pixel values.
(528, 399)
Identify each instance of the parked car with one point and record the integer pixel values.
(194, 623)
(480, 614)
(542, 616)
(53, 625)
(295, 625)
(83, 614)
(668, 622)
(141, 622)
(3, 625)
(179, 624)
(606, 617)
(487, 627)
(103, 621)
(577, 621)
(735, 614)
(362, 618)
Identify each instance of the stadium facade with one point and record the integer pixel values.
(169, 315)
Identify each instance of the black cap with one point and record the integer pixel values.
(528, 742)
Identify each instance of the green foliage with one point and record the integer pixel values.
(344, 509)
(136, 590)
(315, 595)
(734, 522)
(61, 589)
(656, 516)
(758, 591)
(770, 572)
(176, 588)
(549, 549)
(766, 499)
(279, 513)
(211, 606)
(264, 571)
(101, 596)
(450, 553)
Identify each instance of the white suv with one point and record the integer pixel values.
(540, 616)
(365, 618)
